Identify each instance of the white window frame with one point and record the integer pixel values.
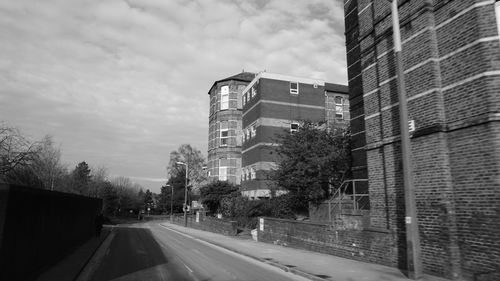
(243, 175)
(253, 129)
(294, 91)
(497, 14)
(223, 168)
(292, 130)
(254, 92)
(339, 114)
(252, 173)
(224, 137)
(224, 97)
(249, 132)
(243, 99)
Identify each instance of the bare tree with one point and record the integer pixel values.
(15, 149)
(47, 163)
(99, 176)
(195, 161)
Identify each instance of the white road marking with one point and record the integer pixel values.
(241, 256)
(190, 270)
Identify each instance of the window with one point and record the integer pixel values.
(253, 130)
(497, 11)
(294, 127)
(254, 92)
(244, 135)
(224, 97)
(339, 108)
(244, 99)
(252, 173)
(224, 136)
(249, 133)
(243, 175)
(294, 88)
(223, 173)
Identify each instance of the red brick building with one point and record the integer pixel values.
(224, 133)
(451, 53)
(274, 104)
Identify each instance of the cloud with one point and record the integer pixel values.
(122, 83)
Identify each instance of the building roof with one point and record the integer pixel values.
(330, 87)
(243, 76)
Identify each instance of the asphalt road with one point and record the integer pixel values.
(152, 252)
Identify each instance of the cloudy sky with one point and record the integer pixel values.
(121, 83)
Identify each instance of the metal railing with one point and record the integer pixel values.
(351, 195)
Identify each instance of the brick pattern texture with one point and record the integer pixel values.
(451, 58)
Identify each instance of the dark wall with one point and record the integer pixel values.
(40, 227)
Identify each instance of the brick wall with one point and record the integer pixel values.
(209, 224)
(368, 245)
(451, 58)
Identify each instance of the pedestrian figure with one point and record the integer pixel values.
(99, 220)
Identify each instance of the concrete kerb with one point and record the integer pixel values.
(270, 262)
(95, 259)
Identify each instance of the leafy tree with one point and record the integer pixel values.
(212, 194)
(164, 198)
(312, 160)
(177, 181)
(195, 160)
(148, 199)
(81, 178)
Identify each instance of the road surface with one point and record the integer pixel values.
(152, 252)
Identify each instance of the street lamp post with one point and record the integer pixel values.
(185, 192)
(171, 202)
(412, 235)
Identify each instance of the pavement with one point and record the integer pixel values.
(70, 267)
(311, 265)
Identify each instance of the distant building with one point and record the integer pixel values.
(451, 54)
(224, 133)
(274, 104)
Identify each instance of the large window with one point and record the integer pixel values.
(224, 97)
(224, 137)
(497, 12)
(223, 173)
(294, 88)
(339, 107)
(294, 127)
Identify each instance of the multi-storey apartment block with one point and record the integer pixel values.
(451, 58)
(274, 104)
(224, 133)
